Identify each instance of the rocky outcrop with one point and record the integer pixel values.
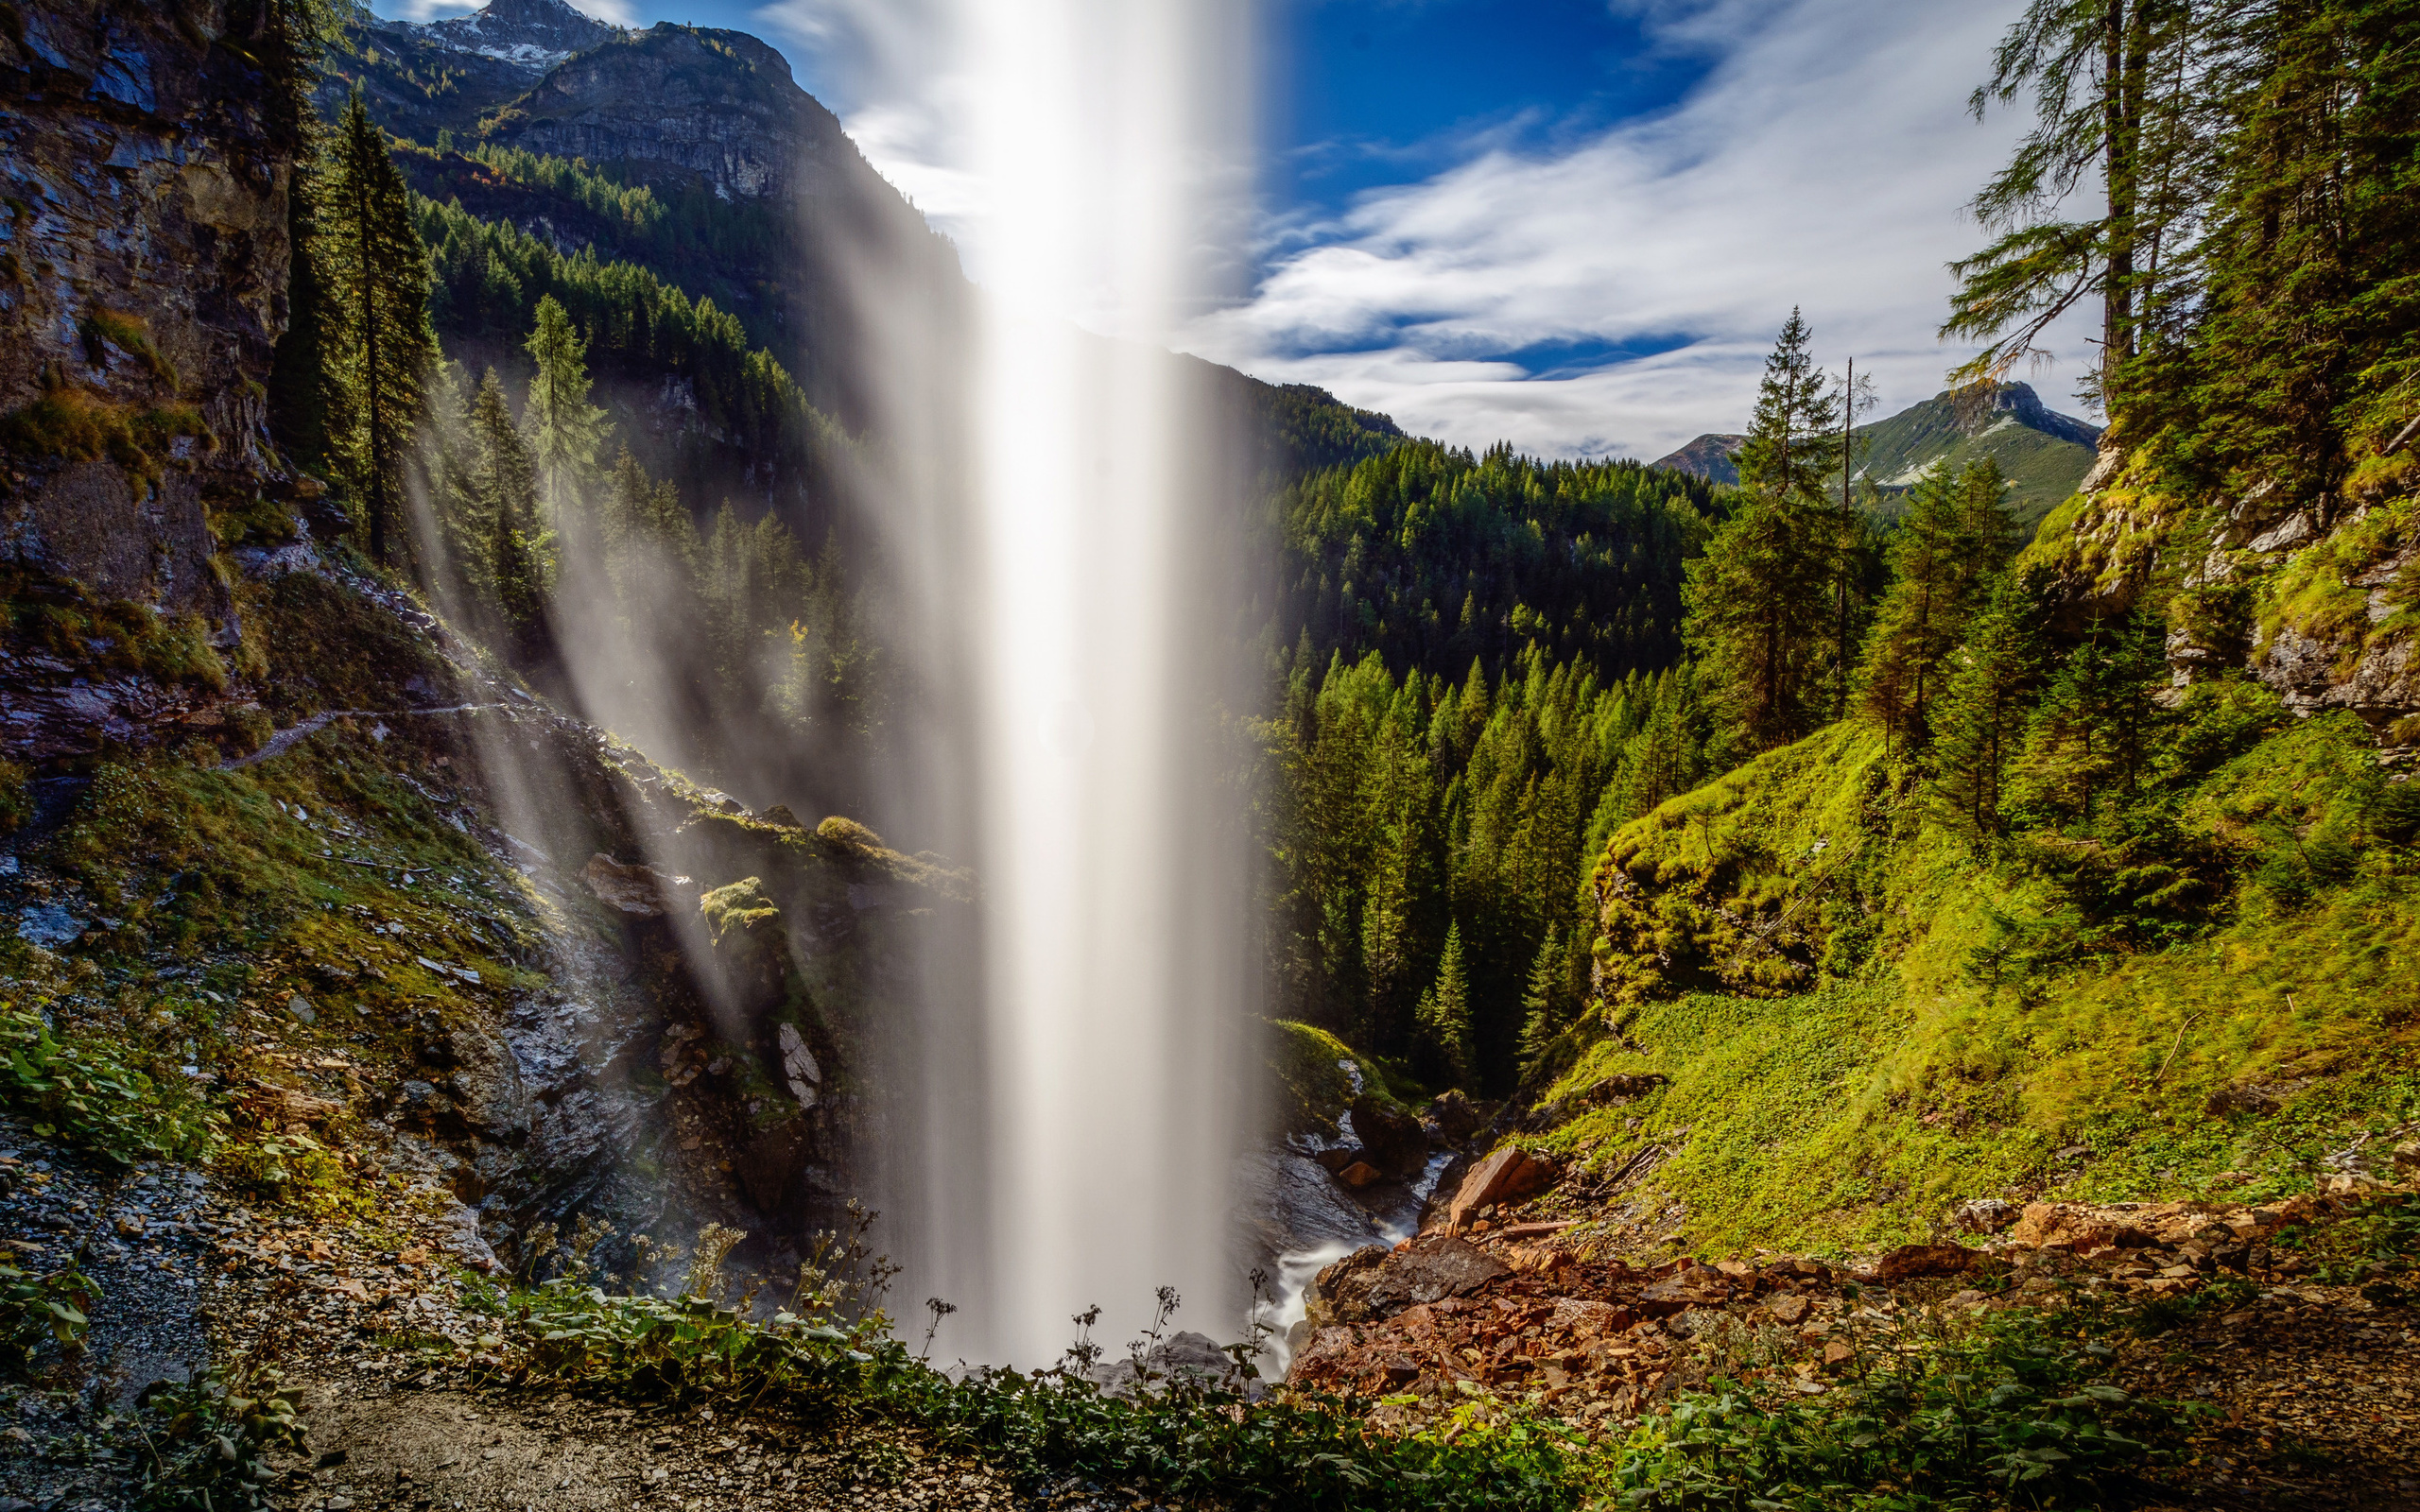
(145, 259)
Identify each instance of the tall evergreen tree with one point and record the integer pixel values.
(1984, 704)
(1757, 602)
(2089, 739)
(562, 426)
(2116, 95)
(505, 484)
(1445, 1015)
(1949, 536)
(380, 345)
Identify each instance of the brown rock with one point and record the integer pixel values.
(1373, 1283)
(1506, 1176)
(1360, 1174)
(1909, 1262)
(1789, 1307)
(1392, 1140)
(1838, 1353)
(1696, 1286)
(1457, 1117)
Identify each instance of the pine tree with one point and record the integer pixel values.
(562, 426)
(2115, 87)
(380, 345)
(1445, 1015)
(1980, 727)
(1543, 1012)
(2089, 739)
(1953, 528)
(1757, 601)
(505, 484)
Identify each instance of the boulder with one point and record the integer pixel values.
(1507, 1176)
(1392, 1140)
(752, 962)
(1373, 1283)
(1360, 1174)
(1695, 1286)
(640, 891)
(1457, 1117)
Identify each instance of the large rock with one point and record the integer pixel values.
(1507, 1176)
(1377, 1283)
(1392, 1140)
(638, 890)
(752, 966)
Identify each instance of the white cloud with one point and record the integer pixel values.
(435, 10)
(613, 13)
(1821, 164)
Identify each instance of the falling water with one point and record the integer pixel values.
(1110, 984)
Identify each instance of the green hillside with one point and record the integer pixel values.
(2043, 453)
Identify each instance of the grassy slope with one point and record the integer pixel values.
(2042, 470)
(1892, 1057)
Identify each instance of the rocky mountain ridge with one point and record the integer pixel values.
(2045, 454)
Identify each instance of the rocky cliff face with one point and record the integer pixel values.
(143, 267)
(2313, 595)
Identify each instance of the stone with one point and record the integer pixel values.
(1985, 1215)
(1506, 1176)
(1457, 1117)
(640, 891)
(1376, 1282)
(798, 1065)
(299, 1009)
(1360, 1174)
(1392, 1138)
(1910, 1262)
(1837, 1353)
(1691, 1287)
(1789, 1307)
(2406, 1159)
(750, 967)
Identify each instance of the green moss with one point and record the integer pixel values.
(62, 620)
(1980, 1028)
(741, 905)
(130, 333)
(71, 425)
(15, 808)
(1314, 1090)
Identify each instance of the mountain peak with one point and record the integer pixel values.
(1709, 457)
(530, 34)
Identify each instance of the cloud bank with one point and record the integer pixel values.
(1821, 163)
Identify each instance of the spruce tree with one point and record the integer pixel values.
(1445, 1015)
(1984, 703)
(505, 482)
(1542, 1015)
(1953, 529)
(562, 426)
(2089, 740)
(380, 345)
(1757, 602)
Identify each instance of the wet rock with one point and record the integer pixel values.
(640, 891)
(1335, 1161)
(752, 966)
(1360, 1174)
(798, 1065)
(1392, 1140)
(1507, 1176)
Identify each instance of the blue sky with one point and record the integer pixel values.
(1572, 224)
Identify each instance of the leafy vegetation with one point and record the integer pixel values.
(39, 1311)
(78, 1090)
(216, 1433)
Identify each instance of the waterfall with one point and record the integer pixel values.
(1112, 969)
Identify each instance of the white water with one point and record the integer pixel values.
(1110, 1115)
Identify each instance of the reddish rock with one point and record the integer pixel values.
(1696, 1287)
(1909, 1262)
(1359, 1174)
(1507, 1176)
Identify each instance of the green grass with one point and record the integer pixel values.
(1861, 1036)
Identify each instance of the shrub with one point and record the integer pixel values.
(39, 1310)
(78, 1091)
